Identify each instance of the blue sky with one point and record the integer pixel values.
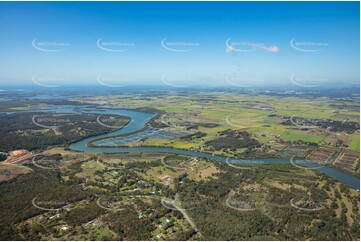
(195, 33)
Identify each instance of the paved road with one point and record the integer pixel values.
(185, 215)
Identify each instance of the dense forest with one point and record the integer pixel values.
(232, 140)
(273, 218)
(20, 132)
(17, 195)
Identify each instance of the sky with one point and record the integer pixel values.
(179, 43)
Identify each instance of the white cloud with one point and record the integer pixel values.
(273, 48)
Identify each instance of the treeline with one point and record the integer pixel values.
(3, 156)
(232, 140)
(196, 135)
(331, 125)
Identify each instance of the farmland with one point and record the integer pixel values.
(271, 120)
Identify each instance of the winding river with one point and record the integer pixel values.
(138, 121)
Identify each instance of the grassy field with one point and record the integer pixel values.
(354, 142)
